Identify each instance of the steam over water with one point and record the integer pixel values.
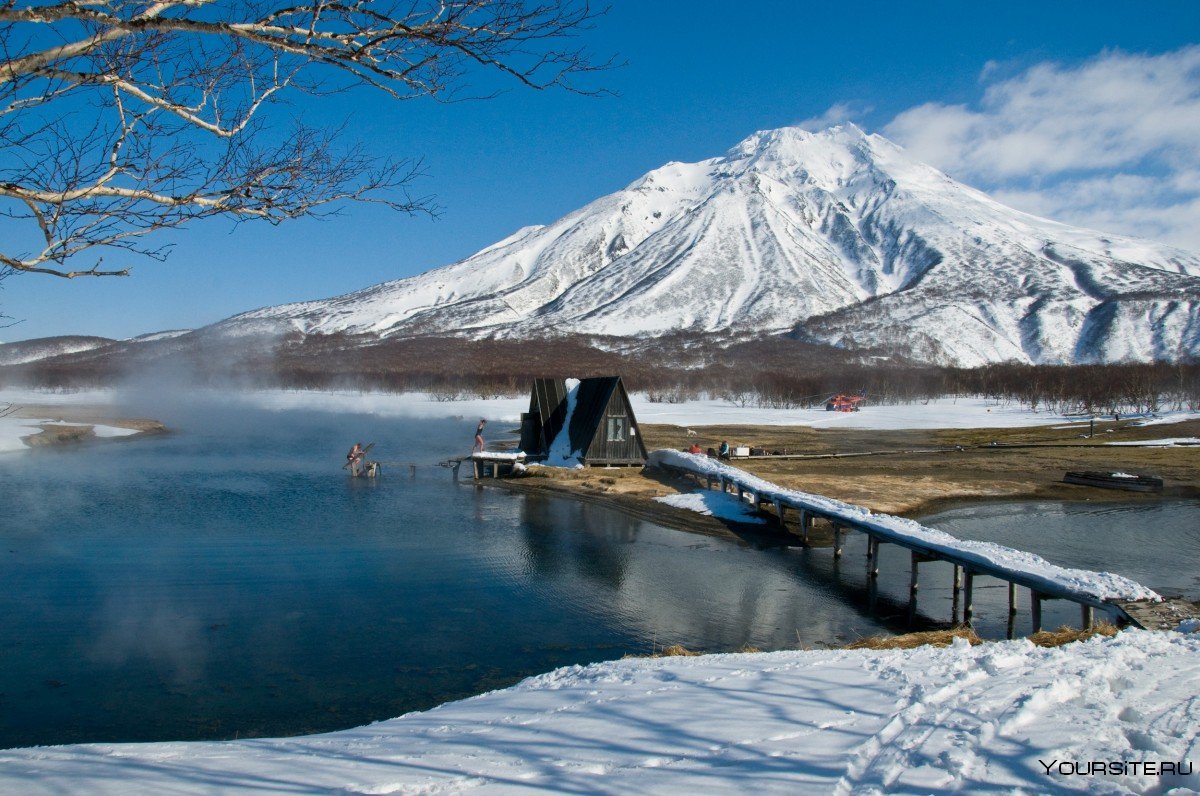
(230, 580)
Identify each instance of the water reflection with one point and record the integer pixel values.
(196, 586)
(230, 580)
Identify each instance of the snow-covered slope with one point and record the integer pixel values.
(1104, 717)
(46, 347)
(838, 236)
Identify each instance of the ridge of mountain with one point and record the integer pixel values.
(834, 237)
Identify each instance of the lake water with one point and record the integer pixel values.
(1155, 543)
(229, 580)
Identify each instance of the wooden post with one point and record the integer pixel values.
(837, 540)
(872, 557)
(475, 465)
(779, 513)
(913, 585)
(1035, 606)
(968, 594)
(954, 592)
(1011, 629)
(1085, 612)
(708, 482)
(412, 471)
(805, 520)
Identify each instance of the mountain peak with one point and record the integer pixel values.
(835, 236)
(827, 158)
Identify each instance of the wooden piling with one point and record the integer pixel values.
(805, 520)
(1035, 609)
(968, 598)
(872, 557)
(837, 540)
(1086, 616)
(954, 592)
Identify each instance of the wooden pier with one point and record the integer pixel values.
(1137, 606)
(495, 464)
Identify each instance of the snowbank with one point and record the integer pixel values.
(714, 504)
(997, 717)
(959, 413)
(12, 429)
(499, 456)
(1169, 442)
(1027, 567)
(940, 413)
(560, 453)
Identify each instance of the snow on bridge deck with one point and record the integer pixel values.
(1044, 579)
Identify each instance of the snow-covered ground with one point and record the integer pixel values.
(12, 429)
(961, 413)
(1003, 717)
(714, 504)
(1169, 442)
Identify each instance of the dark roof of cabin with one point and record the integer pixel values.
(591, 400)
(590, 403)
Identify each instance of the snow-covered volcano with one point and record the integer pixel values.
(837, 237)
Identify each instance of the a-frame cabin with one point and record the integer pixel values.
(600, 423)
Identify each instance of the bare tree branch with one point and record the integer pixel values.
(121, 118)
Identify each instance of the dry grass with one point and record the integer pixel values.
(674, 651)
(908, 641)
(901, 478)
(933, 638)
(1066, 635)
(944, 638)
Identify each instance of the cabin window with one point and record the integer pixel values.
(617, 427)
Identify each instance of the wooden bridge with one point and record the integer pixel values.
(1123, 599)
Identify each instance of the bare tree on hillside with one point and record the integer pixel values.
(119, 118)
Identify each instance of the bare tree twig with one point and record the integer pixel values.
(122, 118)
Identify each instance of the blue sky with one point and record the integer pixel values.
(1109, 90)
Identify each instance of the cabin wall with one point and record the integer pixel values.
(616, 439)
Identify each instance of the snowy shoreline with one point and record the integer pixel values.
(958, 718)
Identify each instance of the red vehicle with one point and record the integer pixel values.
(844, 403)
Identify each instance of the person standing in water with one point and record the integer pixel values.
(354, 459)
(479, 437)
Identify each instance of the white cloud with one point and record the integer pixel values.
(1113, 143)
